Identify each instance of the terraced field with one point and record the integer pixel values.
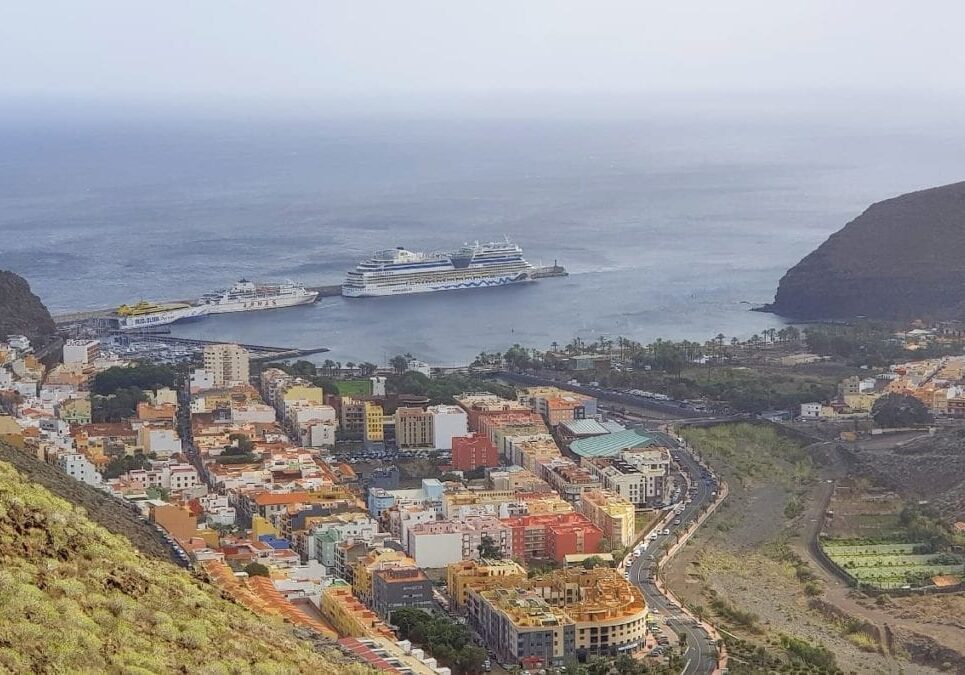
(889, 566)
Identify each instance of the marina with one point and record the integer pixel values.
(164, 348)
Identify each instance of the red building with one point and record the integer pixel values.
(553, 535)
(473, 451)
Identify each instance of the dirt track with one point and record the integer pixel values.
(734, 556)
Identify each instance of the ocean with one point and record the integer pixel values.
(670, 225)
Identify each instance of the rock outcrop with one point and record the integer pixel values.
(902, 258)
(22, 312)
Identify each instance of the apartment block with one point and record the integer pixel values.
(613, 514)
(228, 364)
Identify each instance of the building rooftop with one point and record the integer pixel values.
(613, 444)
(584, 427)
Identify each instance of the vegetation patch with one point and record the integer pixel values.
(76, 598)
(755, 452)
(892, 565)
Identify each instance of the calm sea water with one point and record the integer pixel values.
(670, 226)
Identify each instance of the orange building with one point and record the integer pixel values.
(472, 452)
(553, 535)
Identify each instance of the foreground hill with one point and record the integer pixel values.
(22, 312)
(111, 514)
(902, 258)
(76, 598)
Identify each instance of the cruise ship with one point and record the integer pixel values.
(399, 271)
(148, 314)
(246, 296)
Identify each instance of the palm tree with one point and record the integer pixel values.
(350, 365)
(400, 363)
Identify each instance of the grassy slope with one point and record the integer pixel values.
(76, 598)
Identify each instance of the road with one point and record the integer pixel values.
(700, 653)
(669, 409)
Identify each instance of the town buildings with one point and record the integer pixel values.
(613, 514)
(478, 575)
(437, 544)
(553, 536)
(473, 452)
(547, 620)
(228, 364)
(639, 476)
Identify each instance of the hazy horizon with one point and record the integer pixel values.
(420, 52)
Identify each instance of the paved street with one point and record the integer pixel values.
(700, 655)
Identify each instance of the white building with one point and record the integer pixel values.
(300, 413)
(200, 380)
(811, 410)
(320, 435)
(435, 545)
(639, 476)
(164, 395)
(26, 388)
(218, 509)
(164, 442)
(228, 363)
(84, 352)
(19, 343)
(447, 421)
(253, 412)
(179, 477)
(441, 543)
(378, 385)
(79, 468)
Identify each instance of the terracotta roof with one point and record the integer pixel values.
(279, 499)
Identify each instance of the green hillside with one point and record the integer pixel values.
(76, 598)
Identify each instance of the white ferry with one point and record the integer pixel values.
(148, 314)
(399, 271)
(246, 296)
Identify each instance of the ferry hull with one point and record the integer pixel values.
(159, 318)
(257, 304)
(454, 285)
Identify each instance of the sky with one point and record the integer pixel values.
(320, 50)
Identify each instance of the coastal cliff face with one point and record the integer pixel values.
(22, 312)
(902, 258)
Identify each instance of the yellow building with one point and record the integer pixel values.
(613, 514)
(348, 616)
(261, 526)
(547, 504)
(304, 392)
(376, 559)
(530, 454)
(480, 575)
(547, 620)
(452, 501)
(374, 422)
(860, 401)
(10, 431)
(75, 411)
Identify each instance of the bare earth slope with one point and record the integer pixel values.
(903, 257)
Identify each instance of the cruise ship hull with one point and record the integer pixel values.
(256, 304)
(407, 288)
(164, 318)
